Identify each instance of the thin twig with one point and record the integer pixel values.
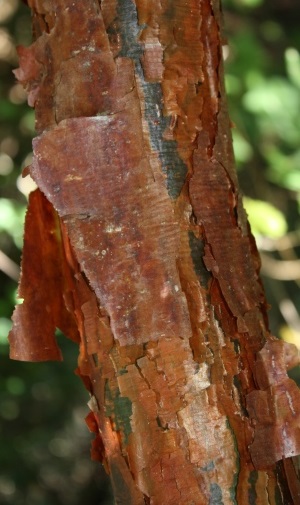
(9, 267)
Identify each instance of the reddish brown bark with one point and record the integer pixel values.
(152, 255)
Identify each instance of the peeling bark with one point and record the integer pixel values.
(138, 235)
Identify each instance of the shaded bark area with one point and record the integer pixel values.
(152, 255)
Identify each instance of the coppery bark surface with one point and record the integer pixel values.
(149, 249)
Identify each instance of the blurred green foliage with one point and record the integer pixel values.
(273, 224)
(44, 452)
(262, 64)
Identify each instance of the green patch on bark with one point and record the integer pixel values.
(119, 408)
(215, 495)
(209, 467)
(122, 371)
(172, 165)
(252, 495)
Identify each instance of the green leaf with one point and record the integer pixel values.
(292, 60)
(265, 219)
(242, 149)
(252, 3)
(12, 218)
(5, 327)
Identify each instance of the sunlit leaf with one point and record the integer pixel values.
(290, 335)
(12, 218)
(292, 59)
(5, 326)
(242, 149)
(275, 97)
(252, 3)
(265, 219)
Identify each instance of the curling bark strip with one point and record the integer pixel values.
(150, 262)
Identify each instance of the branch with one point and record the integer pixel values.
(9, 267)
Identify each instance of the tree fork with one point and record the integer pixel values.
(138, 247)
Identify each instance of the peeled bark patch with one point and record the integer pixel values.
(44, 279)
(120, 222)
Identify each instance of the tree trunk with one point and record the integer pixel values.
(147, 259)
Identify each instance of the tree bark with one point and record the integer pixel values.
(137, 246)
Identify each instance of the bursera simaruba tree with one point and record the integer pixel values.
(137, 246)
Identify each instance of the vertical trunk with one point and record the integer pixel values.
(149, 248)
